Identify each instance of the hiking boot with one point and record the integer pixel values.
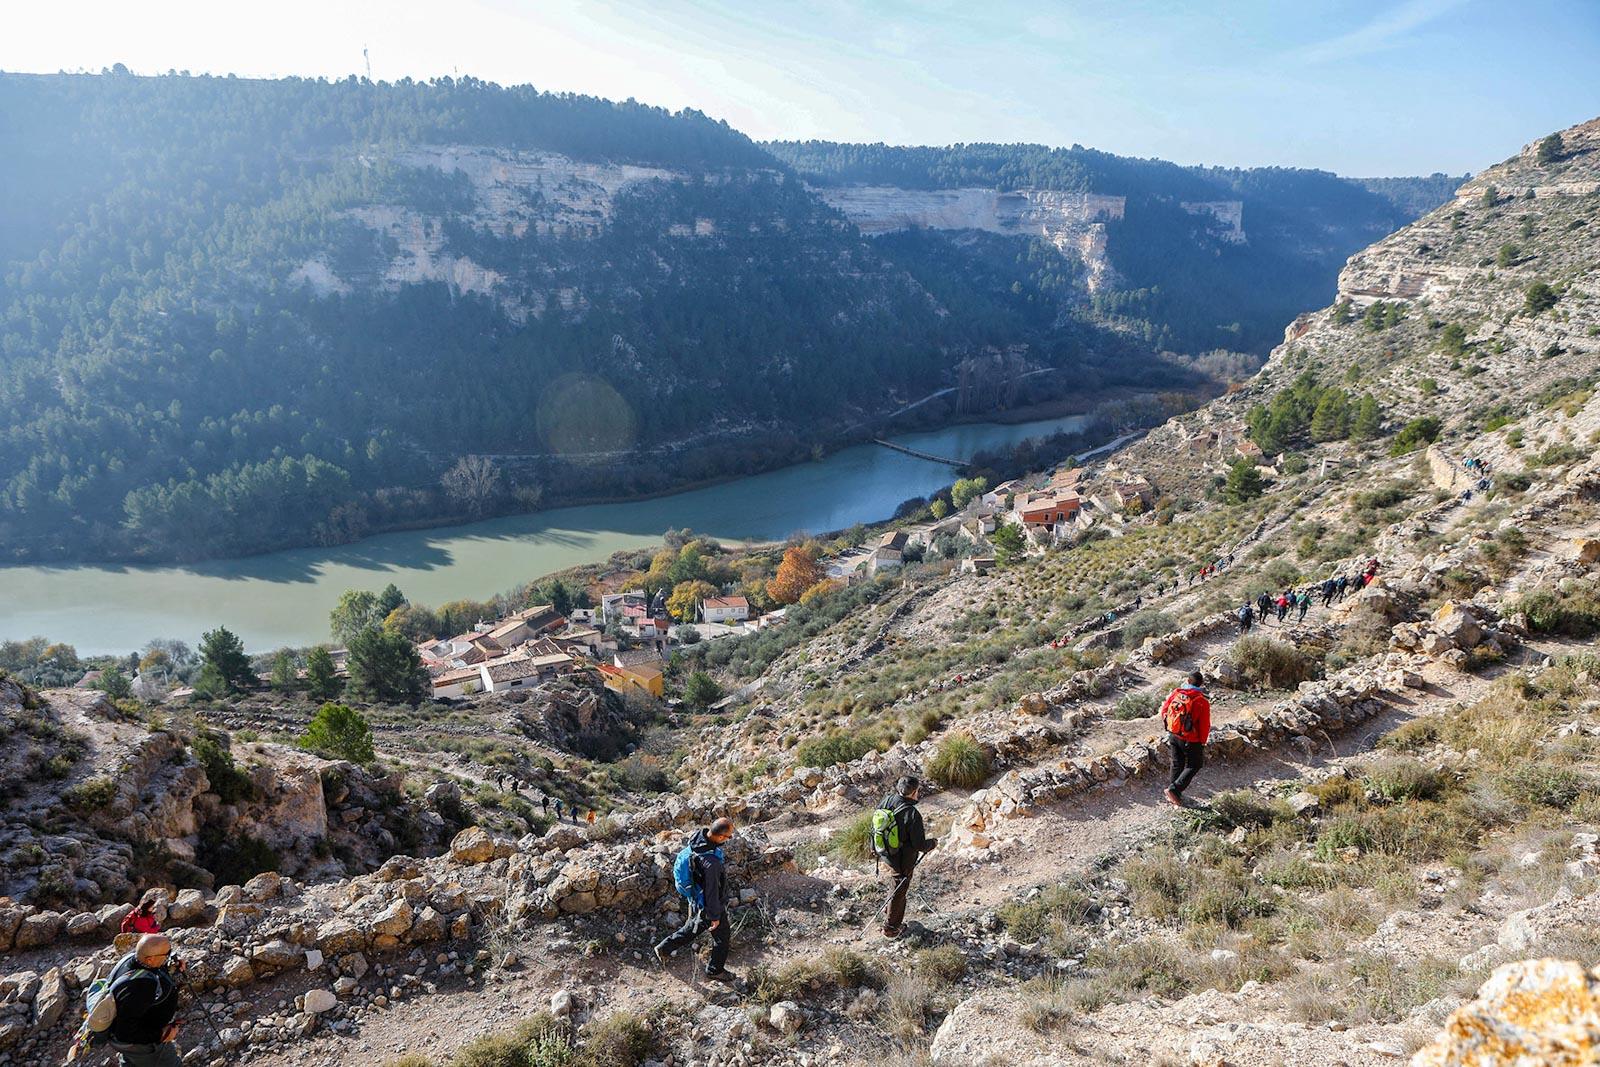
(887, 932)
(723, 975)
(662, 956)
(1175, 799)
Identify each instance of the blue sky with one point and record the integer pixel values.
(1356, 86)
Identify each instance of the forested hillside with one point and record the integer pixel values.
(238, 315)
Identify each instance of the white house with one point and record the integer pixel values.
(724, 609)
(890, 552)
(458, 682)
(996, 497)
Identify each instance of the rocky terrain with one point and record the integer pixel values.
(1397, 809)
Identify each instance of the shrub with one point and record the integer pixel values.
(1241, 807)
(1147, 624)
(942, 966)
(541, 1035)
(835, 969)
(235, 858)
(1415, 434)
(960, 762)
(835, 748)
(340, 731)
(854, 841)
(1136, 706)
(618, 1040)
(1550, 611)
(1542, 784)
(228, 782)
(90, 796)
(1266, 662)
(1058, 906)
(1403, 778)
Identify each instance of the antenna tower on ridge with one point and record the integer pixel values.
(369, 63)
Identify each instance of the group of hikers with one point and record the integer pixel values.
(1332, 590)
(571, 809)
(134, 1010)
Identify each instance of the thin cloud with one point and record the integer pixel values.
(1385, 31)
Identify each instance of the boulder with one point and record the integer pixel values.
(111, 917)
(563, 1003)
(786, 1017)
(237, 972)
(1586, 550)
(264, 886)
(51, 1000)
(395, 920)
(276, 955)
(319, 1000)
(84, 925)
(10, 919)
(38, 930)
(428, 926)
(1456, 623)
(472, 845)
(1537, 1011)
(1034, 704)
(1304, 803)
(355, 965)
(341, 936)
(189, 907)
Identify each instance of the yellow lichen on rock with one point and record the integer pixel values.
(1536, 1012)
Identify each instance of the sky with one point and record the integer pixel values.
(1359, 87)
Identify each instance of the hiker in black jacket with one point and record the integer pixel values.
(147, 999)
(914, 844)
(710, 911)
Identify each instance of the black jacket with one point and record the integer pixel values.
(914, 840)
(713, 876)
(146, 1002)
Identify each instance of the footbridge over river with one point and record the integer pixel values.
(920, 455)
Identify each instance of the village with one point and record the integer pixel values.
(627, 640)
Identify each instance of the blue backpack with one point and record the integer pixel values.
(686, 875)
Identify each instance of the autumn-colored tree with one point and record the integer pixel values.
(824, 588)
(686, 598)
(798, 572)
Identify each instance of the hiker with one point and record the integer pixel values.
(572, 811)
(544, 803)
(1327, 592)
(558, 809)
(142, 919)
(1263, 606)
(1305, 605)
(1186, 714)
(1246, 617)
(147, 999)
(591, 817)
(1343, 583)
(900, 842)
(1283, 606)
(1138, 602)
(703, 882)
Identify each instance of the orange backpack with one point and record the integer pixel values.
(1180, 712)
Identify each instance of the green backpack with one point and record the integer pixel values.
(886, 834)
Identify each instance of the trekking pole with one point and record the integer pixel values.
(890, 898)
(199, 1009)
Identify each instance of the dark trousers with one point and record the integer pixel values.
(163, 1055)
(898, 885)
(696, 925)
(1187, 759)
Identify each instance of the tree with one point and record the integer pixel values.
(339, 731)
(1508, 255)
(1331, 420)
(283, 671)
(1540, 298)
(385, 666)
(939, 508)
(1009, 542)
(388, 600)
(223, 659)
(1453, 341)
(322, 680)
(415, 622)
(1550, 150)
(686, 598)
(357, 610)
(798, 572)
(115, 684)
(1368, 421)
(966, 490)
(1244, 482)
(1491, 197)
(555, 592)
(701, 690)
(472, 483)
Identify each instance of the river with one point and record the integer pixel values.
(283, 598)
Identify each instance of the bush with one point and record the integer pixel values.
(228, 782)
(1266, 662)
(942, 966)
(1057, 906)
(854, 841)
(835, 748)
(959, 762)
(1403, 778)
(836, 969)
(701, 690)
(1547, 786)
(235, 858)
(339, 731)
(1147, 624)
(1575, 613)
(539, 1041)
(1241, 807)
(88, 797)
(618, 1040)
(1136, 706)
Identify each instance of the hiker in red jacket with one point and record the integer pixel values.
(1187, 716)
(141, 920)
